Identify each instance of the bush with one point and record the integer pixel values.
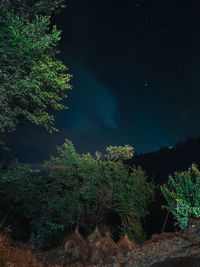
(47, 235)
(182, 194)
(83, 190)
(133, 195)
(99, 187)
(28, 205)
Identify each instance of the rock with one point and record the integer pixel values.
(183, 262)
(192, 231)
(166, 246)
(160, 250)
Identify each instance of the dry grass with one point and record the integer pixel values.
(125, 242)
(76, 251)
(10, 256)
(103, 249)
(94, 237)
(75, 247)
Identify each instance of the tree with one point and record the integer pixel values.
(94, 188)
(32, 80)
(119, 153)
(82, 190)
(28, 8)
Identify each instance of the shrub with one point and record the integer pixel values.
(46, 235)
(83, 190)
(32, 206)
(182, 194)
(100, 187)
(133, 196)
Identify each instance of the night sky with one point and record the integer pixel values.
(136, 72)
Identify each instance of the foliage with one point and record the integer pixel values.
(83, 190)
(6, 158)
(32, 205)
(47, 235)
(32, 80)
(28, 8)
(133, 196)
(101, 187)
(86, 183)
(117, 153)
(182, 194)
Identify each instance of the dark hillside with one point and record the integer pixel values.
(161, 163)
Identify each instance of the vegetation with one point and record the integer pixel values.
(119, 153)
(32, 206)
(32, 80)
(29, 8)
(83, 191)
(182, 194)
(102, 187)
(10, 255)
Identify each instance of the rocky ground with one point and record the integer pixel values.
(166, 248)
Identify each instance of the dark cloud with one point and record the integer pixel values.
(91, 103)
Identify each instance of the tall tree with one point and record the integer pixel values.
(32, 80)
(28, 8)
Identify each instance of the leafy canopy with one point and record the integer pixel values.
(103, 187)
(182, 194)
(121, 153)
(32, 80)
(29, 8)
(80, 189)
